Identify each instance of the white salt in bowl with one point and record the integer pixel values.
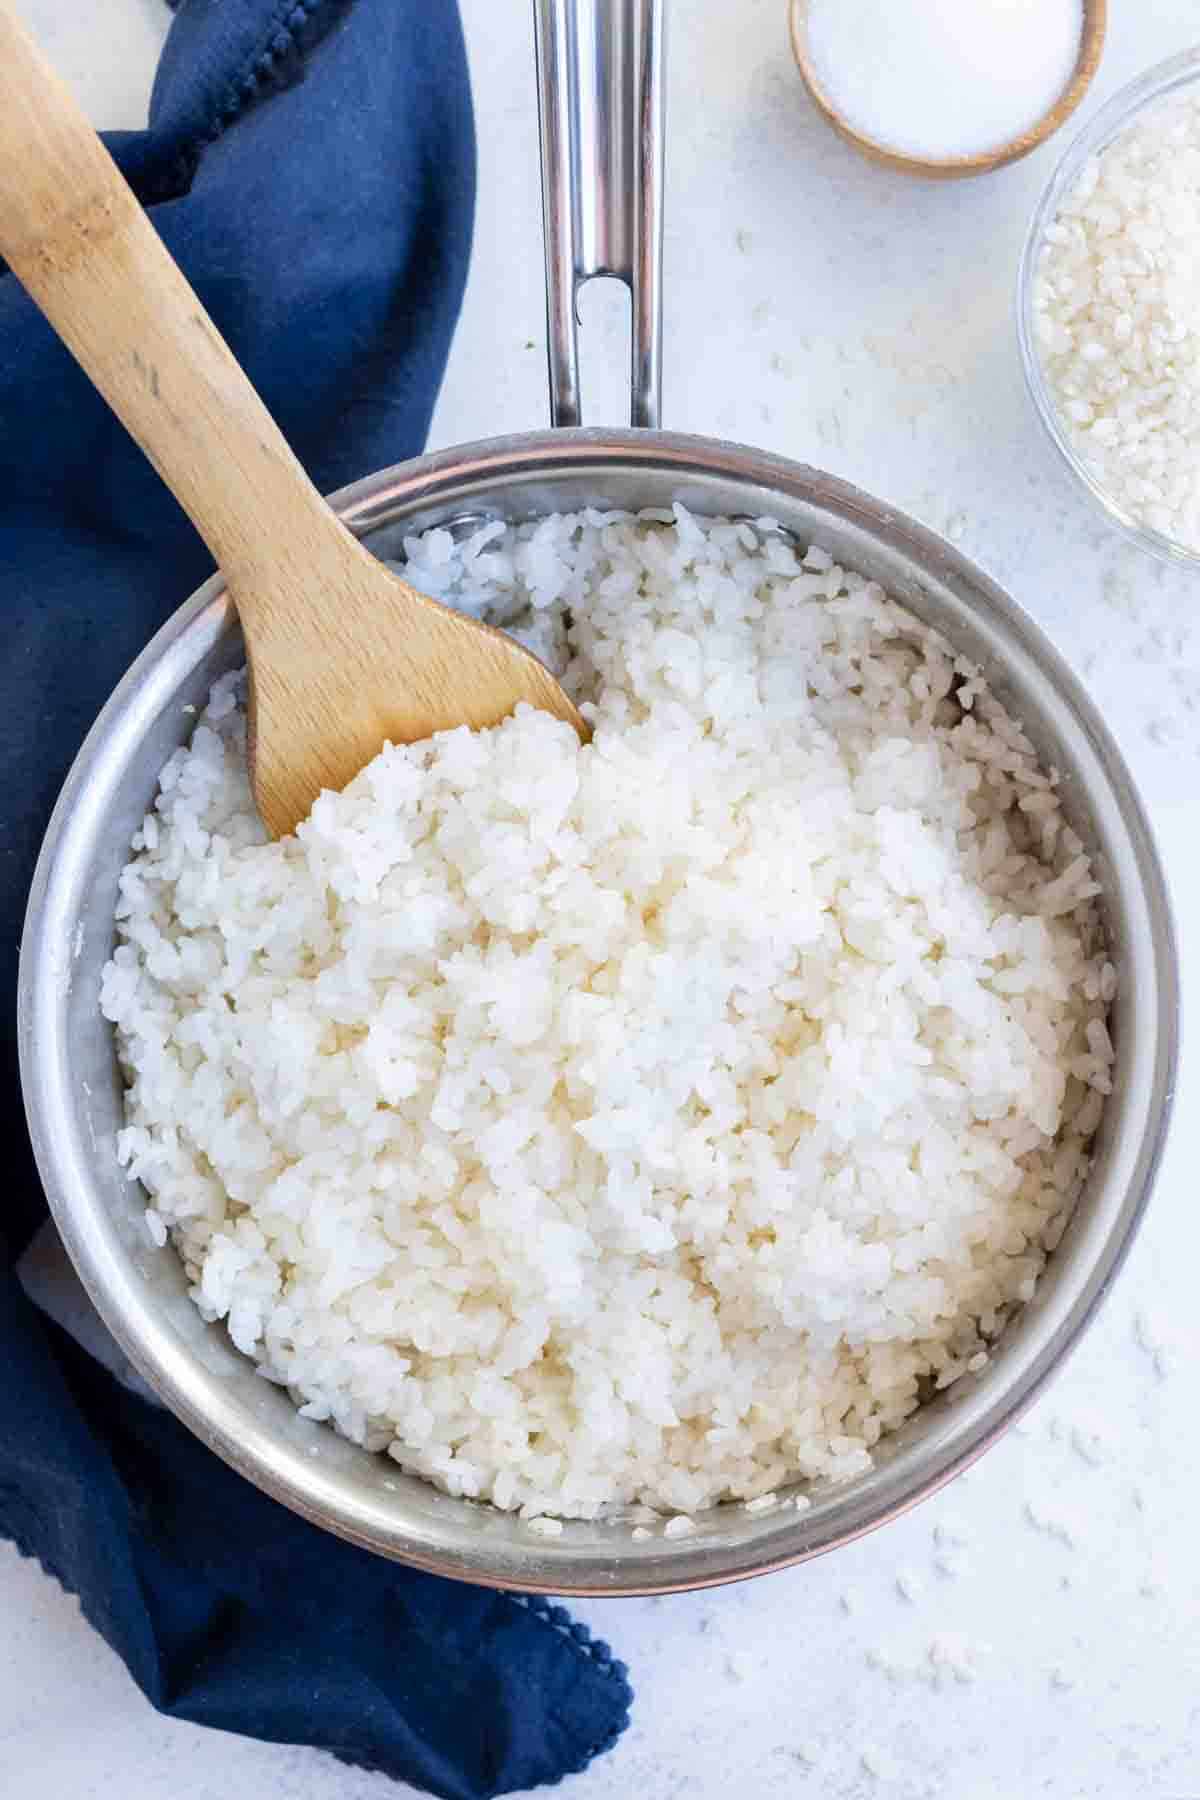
(1057, 111)
(1163, 83)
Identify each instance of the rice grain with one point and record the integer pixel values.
(651, 1121)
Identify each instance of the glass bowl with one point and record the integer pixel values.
(1126, 107)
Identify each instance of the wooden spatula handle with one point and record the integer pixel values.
(73, 233)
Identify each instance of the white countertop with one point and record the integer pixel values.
(843, 316)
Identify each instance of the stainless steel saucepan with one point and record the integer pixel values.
(600, 89)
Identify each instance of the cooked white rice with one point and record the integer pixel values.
(653, 1121)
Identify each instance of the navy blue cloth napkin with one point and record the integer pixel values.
(311, 165)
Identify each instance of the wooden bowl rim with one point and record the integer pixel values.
(1091, 46)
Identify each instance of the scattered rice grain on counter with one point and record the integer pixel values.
(1117, 318)
(648, 1122)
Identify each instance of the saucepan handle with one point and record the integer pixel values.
(601, 112)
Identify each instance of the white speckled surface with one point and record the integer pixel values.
(1036, 1629)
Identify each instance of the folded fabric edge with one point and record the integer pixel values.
(556, 1617)
(272, 68)
(20, 1536)
(579, 1635)
(580, 1639)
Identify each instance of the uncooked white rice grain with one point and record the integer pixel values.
(1116, 305)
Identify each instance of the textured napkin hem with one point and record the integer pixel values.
(18, 1526)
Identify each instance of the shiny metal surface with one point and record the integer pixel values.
(73, 1091)
(601, 119)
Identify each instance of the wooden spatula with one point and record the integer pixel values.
(343, 654)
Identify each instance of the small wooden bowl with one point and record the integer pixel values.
(952, 168)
